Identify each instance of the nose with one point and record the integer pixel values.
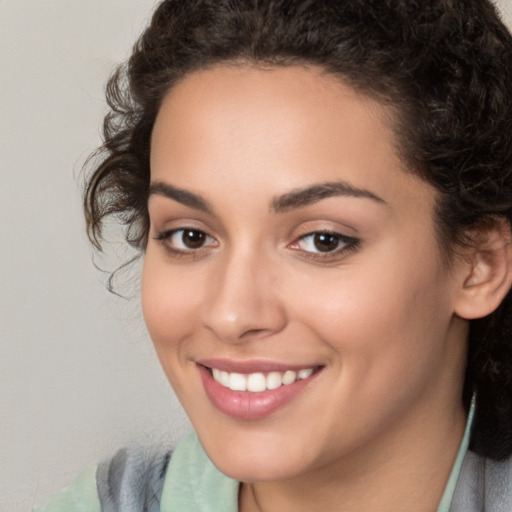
(242, 300)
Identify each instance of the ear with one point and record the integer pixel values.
(486, 270)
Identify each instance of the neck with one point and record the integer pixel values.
(399, 472)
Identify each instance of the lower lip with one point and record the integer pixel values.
(246, 405)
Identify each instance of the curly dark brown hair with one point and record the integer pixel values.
(444, 66)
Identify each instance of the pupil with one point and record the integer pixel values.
(193, 239)
(326, 242)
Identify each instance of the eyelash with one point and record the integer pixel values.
(165, 236)
(349, 244)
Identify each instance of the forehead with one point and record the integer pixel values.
(280, 127)
(296, 97)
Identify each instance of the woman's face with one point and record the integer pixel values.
(290, 253)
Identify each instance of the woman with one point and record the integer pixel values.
(322, 194)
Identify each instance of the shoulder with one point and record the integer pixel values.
(133, 476)
(150, 480)
(130, 480)
(80, 496)
(498, 475)
(484, 484)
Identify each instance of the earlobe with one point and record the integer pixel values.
(487, 276)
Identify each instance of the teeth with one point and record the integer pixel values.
(304, 374)
(224, 378)
(237, 382)
(289, 377)
(257, 382)
(274, 380)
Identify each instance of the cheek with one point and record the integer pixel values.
(386, 319)
(387, 345)
(170, 305)
(169, 301)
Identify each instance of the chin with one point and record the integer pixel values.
(266, 459)
(253, 470)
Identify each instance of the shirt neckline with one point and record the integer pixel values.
(449, 491)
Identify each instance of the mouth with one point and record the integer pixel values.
(250, 395)
(258, 382)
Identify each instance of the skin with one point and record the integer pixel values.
(380, 425)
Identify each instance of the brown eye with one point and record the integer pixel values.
(326, 242)
(193, 239)
(186, 240)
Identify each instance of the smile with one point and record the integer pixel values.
(258, 382)
(249, 394)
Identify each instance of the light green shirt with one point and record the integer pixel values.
(80, 496)
(194, 484)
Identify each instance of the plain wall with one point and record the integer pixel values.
(78, 378)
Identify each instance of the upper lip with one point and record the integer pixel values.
(253, 366)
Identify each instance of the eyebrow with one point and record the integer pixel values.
(303, 197)
(298, 198)
(181, 196)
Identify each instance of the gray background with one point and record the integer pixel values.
(78, 377)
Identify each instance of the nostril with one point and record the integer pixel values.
(255, 333)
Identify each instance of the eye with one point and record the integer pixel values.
(325, 243)
(188, 238)
(185, 239)
(320, 242)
